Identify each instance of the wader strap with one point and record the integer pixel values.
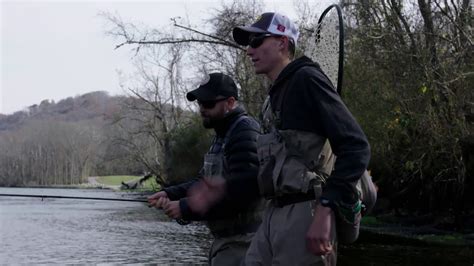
(288, 199)
(231, 128)
(223, 141)
(313, 194)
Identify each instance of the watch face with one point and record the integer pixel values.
(324, 202)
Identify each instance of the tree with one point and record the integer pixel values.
(205, 51)
(145, 124)
(410, 76)
(164, 75)
(49, 152)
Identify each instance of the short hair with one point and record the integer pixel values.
(291, 47)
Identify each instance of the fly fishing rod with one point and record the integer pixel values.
(70, 197)
(179, 221)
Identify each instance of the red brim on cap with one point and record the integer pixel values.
(241, 34)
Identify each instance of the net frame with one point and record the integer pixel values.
(321, 53)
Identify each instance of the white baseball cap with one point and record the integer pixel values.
(271, 22)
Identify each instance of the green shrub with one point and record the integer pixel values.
(190, 142)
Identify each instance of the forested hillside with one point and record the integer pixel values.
(64, 142)
(73, 109)
(60, 143)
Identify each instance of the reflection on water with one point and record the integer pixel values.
(86, 231)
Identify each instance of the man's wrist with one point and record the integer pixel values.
(323, 210)
(325, 202)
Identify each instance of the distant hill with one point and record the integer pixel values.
(96, 134)
(90, 106)
(64, 142)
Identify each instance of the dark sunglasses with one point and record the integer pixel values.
(257, 40)
(210, 104)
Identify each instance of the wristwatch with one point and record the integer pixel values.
(327, 203)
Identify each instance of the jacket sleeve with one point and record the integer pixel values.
(241, 183)
(346, 137)
(179, 191)
(242, 161)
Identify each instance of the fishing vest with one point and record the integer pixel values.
(215, 166)
(295, 164)
(291, 161)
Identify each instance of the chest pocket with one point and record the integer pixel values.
(214, 160)
(214, 163)
(286, 168)
(290, 159)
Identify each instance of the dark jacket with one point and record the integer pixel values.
(310, 103)
(242, 162)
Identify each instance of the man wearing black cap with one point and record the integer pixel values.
(225, 193)
(303, 118)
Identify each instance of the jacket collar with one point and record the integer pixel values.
(292, 67)
(223, 125)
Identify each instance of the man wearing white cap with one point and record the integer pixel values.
(303, 118)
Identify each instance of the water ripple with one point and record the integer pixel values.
(58, 231)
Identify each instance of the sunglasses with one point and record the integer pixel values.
(210, 104)
(257, 40)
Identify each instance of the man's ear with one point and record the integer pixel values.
(284, 43)
(231, 102)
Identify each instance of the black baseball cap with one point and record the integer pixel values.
(215, 84)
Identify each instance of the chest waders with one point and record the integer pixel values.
(294, 166)
(215, 166)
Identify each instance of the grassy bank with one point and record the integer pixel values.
(116, 180)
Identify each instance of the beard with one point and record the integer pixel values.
(208, 122)
(212, 122)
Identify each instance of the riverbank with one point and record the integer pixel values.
(375, 230)
(393, 244)
(124, 182)
(105, 182)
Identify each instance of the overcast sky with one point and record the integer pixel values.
(57, 49)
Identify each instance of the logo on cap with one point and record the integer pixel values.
(281, 28)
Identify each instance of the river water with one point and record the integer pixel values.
(70, 231)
